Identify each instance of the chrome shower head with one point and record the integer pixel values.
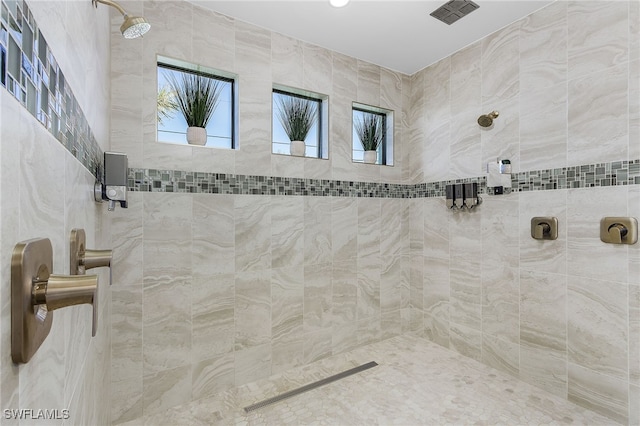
(487, 119)
(133, 26)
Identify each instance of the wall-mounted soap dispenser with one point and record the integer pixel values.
(114, 187)
(36, 293)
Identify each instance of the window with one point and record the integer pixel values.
(363, 114)
(311, 105)
(221, 126)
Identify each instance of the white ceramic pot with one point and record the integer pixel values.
(197, 136)
(298, 148)
(370, 157)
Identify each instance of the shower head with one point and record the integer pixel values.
(133, 26)
(487, 119)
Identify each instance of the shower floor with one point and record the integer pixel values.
(416, 383)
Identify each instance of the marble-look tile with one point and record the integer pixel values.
(500, 65)
(286, 60)
(252, 50)
(368, 290)
(597, 36)
(252, 309)
(166, 388)
(317, 297)
(286, 354)
(634, 250)
(587, 256)
(287, 232)
(167, 326)
(543, 312)
(466, 341)
(252, 364)
(126, 340)
(167, 238)
(213, 44)
(634, 405)
(317, 345)
(213, 231)
(317, 230)
(500, 303)
(369, 330)
(466, 283)
(498, 220)
(543, 335)
(127, 242)
(287, 305)
(316, 68)
(598, 392)
(126, 400)
(434, 139)
(368, 83)
(344, 229)
(253, 155)
(543, 128)
(391, 92)
(597, 328)
(634, 31)
(390, 324)
(211, 376)
(598, 116)
(214, 160)
(634, 335)
(634, 105)
(543, 255)
(501, 354)
(543, 47)
(212, 316)
(344, 292)
(252, 214)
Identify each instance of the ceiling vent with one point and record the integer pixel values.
(452, 11)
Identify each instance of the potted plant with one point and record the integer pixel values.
(369, 131)
(196, 97)
(297, 116)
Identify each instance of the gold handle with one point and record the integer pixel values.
(617, 232)
(542, 229)
(81, 259)
(61, 291)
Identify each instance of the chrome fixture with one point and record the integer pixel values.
(487, 119)
(114, 187)
(36, 292)
(619, 230)
(544, 228)
(133, 26)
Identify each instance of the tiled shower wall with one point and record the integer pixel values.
(45, 191)
(218, 290)
(565, 314)
(214, 291)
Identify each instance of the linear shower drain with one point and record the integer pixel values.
(310, 386)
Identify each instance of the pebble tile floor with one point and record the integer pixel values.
(416, 383)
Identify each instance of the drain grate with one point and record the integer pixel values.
(310, 386)
(454, 10)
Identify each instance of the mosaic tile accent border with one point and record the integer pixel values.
(30, 72)
(586, 176)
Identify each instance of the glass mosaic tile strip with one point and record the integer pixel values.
(591, 175)
(30, 72)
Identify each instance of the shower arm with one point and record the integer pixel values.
(111, 3)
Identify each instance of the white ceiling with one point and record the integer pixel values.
(399, 35)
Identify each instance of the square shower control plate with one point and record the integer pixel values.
(31, 263)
